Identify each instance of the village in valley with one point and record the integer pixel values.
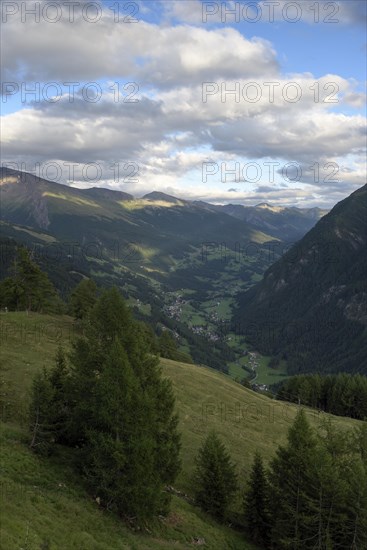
(214, 328)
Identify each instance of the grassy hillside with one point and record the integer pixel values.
(44, 501)
(245, 420)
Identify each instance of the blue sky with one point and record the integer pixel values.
(227, 148)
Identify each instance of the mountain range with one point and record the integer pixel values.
(188, 264)
(159, 237)
(30, 200)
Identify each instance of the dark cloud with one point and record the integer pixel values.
(267, 189)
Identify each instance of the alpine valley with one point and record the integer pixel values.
(180, 264)
(239, 287)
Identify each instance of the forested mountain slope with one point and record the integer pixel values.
(310, 307)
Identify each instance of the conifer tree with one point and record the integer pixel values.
(29, 288)
(40, 414)
(359, 439)
(83, 298)
(120, 463)
(215, 479)
(59, 380)
(349, 514)
(256, 503)
(167, 345)
(122, 412)
(322, 516)
(351, 531)
(149, 337)
(292, 487)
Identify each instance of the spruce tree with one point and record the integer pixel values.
(215, 479)
(149, 337)
(122, 412)
(349, 517)
(256, 503)
(41, 413)
(59, 380)
(351, 532)
(83, 298)
(29, 288)
(292, 487)
(120, 458)
(167, 345)
(322, 516)
(359, 439)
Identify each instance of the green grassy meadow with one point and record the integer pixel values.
(44, 504)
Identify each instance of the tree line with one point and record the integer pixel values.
(340, 394)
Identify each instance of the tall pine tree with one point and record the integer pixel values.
(120, 458)
(256, 503)
(215, 479)
(41, 414)
(83, 298)
(29, 288)
(122, 413)
(59, 379)
(292, 487)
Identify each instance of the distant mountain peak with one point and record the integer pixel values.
(159, 196)
(267, 206)
(264, 205)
